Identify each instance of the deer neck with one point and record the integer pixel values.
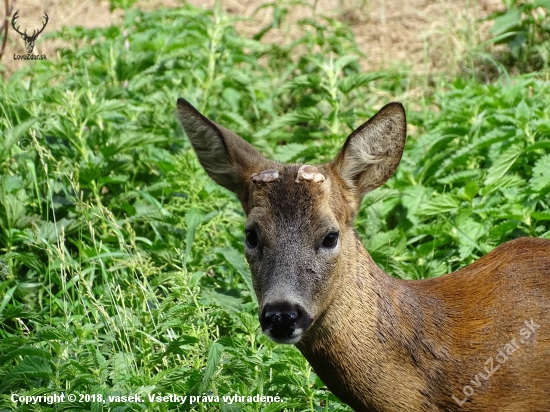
(375, 347)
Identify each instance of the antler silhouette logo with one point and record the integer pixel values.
(29, 40)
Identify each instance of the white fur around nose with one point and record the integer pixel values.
(269, 175)
(310, 174)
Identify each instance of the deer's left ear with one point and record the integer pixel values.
(372, 152)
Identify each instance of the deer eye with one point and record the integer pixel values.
(330, 240)
(251, 238)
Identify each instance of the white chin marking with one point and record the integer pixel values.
(295, 338)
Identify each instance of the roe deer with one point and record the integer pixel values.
(474, 340)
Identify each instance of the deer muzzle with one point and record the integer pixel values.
(284, 322)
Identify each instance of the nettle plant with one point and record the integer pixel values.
(525, 28)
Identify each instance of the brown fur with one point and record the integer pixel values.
(379, 343)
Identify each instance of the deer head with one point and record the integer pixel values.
(299, 228)
(29, 40)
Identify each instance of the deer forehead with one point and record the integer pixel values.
(302, 196)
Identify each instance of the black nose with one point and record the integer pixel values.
(284, 322)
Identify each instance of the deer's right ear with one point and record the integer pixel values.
(227, 158)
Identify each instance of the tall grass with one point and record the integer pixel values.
(122, 269)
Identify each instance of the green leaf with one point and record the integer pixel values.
(523, 113)
(344, 61)
(540, 215)
(458, 158)
(11, 184)
(214, 355)
(502, 38)
(31, 367)
(503, 163)
(233, 97)
(122, 364)
(302, 82)
(288, 152)
(5, 300)
(469, 232)
(25, 351)
(356, 80)
(384, 244)
(193, 218)
(542, 144)
(176, 345)
(308, 114)
(541, 174)
(508, 21)
(471, 190)
(103, 107)
(227, 302)
(50, 334)
(463, 175)
(413, 198)
(441, 203)
(14, 135)
(236, 260)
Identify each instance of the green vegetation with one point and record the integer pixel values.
(525, 28)
(122, 269)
